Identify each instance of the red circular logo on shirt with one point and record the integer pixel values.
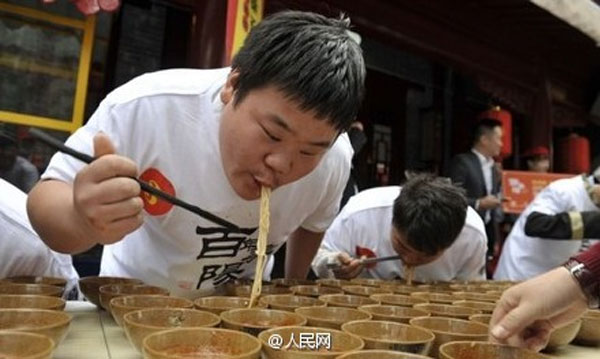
(152, 204)
(367, 253)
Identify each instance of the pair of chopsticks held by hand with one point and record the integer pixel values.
(146, 187)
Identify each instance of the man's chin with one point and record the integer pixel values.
(248, 195)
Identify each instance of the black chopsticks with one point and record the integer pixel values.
(59, 146)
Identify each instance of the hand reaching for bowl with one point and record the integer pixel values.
(106, 199)
(528, 312)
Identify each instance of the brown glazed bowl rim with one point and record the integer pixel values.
(452, 319)
(403, 342)
(65, 318)
(127, 318)
(224, 317)
(45, 353)
(474, 343)
(252, 352)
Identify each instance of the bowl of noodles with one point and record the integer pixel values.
(201, 343)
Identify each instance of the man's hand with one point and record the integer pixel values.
(489, 202)
(595, 194)
(528, 312)
(349, 268)
(106, 200)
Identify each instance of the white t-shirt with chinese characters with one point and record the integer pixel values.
(22, 252)
(524, 257)
(167, 122)
(365, 224)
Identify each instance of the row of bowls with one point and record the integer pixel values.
(191, 343)
(32, 323)
(219, 343)
(319, 316)
(120, 305)
(423, 336)
(333, 317)
(197, 343)
(31, 319)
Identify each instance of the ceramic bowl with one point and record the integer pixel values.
(110, 291)
(450, 311)
(467, 350)
(51, 323)
(15, 301)
(21, 345)
(450, 329)
(90, 286)
(31, 289)
(219, 304)
(381, 354)
(398, 299)
(255, 320)
(289, 302)
(347, 300)
(563, 335)
(201, 343)
(589, 333)
(141, 323)
(331, 317)
(119, 306)
(391, 336)
(393, 313)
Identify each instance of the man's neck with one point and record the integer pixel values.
(481, 150)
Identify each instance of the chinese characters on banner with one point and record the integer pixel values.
(242, 15)
(520, 187)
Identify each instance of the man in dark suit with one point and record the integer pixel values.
(477, 173)
(358, 140)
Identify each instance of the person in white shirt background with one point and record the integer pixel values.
(426, 221)
(552, 228)
(22, 252)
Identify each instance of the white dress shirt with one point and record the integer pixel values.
(366, 222)
(487, 165)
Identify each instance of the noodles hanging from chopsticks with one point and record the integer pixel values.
(261, 245)
(409, 274)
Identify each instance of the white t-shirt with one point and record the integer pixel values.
(523, 256)
(167, 122)
(22, 252)
(366, 221)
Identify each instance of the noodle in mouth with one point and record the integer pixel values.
(261, 245)
(409, 274)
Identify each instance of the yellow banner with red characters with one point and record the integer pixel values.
(242, 15)
(520, 187)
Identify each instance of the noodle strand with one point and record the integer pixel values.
(261, 245)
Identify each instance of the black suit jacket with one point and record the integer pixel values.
(466, 172)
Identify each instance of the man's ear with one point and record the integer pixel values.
(485, 139)
(228, 90)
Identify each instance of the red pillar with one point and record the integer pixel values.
(208, 34)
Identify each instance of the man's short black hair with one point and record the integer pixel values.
(311, 58)
(430, 212)
(484, 127)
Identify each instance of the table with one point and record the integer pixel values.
(95, 335)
